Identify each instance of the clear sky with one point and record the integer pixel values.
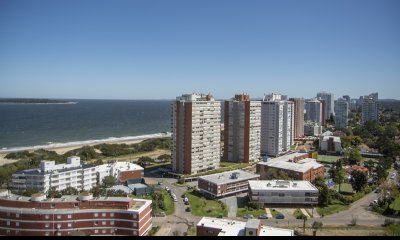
(148, 49)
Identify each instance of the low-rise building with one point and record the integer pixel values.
(226, 183)
(70, 215)
(296, 165)
(283, 192)
(224, 227)
(312, 129)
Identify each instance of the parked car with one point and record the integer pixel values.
(280, 216)
(220, 216)
(187, 203)
(186, 199)
(175, 199)
(188, 209)
(167, 189)
(248, 216)
(264, 216)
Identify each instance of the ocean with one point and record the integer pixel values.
(87, 121)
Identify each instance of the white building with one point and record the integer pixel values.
(196, 133)
(276, 125)
(341, 113)
(242, 129)
(370, 108)
(225, 227)
(328, 97)
(72, 174)
(312, 129)
(313, 109)
(330, 143)
(283, 192)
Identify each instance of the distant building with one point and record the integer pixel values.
(370, 108)
(225, 183)
(298, 117)
(329, 143)
(196, 133)
(328, 97)
(283, 192)
(242, 129)
(277, 125)
(312, 129)
(313, 109)
(348, 100)
(296, 165)
(70, 215)
(72, 174)
(341, 113)
(225, 227)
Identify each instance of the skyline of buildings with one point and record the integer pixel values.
(298, 117)
(313, 109)
(329, 103)
(369, 108)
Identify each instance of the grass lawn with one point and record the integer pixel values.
(203, 207)
(327, 158)
(331, 209)
(395, 205)
(169, 204)
(153, 231)
(298, 214)
(191, 231)
(274, 212)
(255, 212)
(229, 167)
(344, 188)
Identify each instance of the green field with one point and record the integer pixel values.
(204, 207)
(327, 158)
(331, 209)
(255, 212)
(344, 188)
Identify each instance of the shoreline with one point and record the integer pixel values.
(61, 148)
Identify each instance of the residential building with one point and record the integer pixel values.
(283, 192)
(225, 183)
(298, 117)
(330, 143)
(196, 133)
(341, 113)
(276, 125)
(370, 108)
(72, 174)
(329, 104)
(312, 128)
(225, 227)
(242, 129)
(297, 166)
(348, 100)
(70, 215)
(313, 109)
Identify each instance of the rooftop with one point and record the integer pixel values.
(281, 185)
(237, 228)
(300, 166)
(228, 177)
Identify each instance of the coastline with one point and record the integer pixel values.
(61, 148)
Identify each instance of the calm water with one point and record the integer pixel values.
(38, 124)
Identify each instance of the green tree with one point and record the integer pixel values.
(98, 191)
(359, 180)
(273, 174)
(324, 196)
(69, 191)
(143, 161)
(109, 181)
(53, 193)
(353, 155)
(316, 226)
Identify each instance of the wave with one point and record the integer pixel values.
(51, 145)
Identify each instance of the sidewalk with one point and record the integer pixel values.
(269, 215)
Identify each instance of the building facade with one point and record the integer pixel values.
(196, 133)
(298, 117)
(226, 183)
(313, 109)
(312, 129)
(283, 192)
(276, 125)
(72, 174)
(297, 166)
(329, 103)
(370, 108)
(341, 113)
(242, 129)
(70, 215)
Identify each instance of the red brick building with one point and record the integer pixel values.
(69, 215)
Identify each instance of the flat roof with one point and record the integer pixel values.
(237, 228)
(281, 185)
(226, 177)
(284, 162)
(335, 139)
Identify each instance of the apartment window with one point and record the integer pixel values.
(17, 224)
(96, 215)
(8, 214)
(47, 216)
(112, 223)
(17, 232)
(103, 223)
(96, 231)
(47, 225)
(103, 231)
(8, 223)
(8, 231)
(47, 234)
(76, 204)
(59, 225)
(69, 216)
(69, 224)
(103, 214)
(111, 214)
(135, 233)
(135, 224)
(53, 205)
(96, 223)
(58, 216)
(58, 234)
(17, 215)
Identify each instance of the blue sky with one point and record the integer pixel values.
(160, 49)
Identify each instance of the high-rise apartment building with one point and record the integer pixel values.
(298, 117)
(196, 133)
(329, 103)
(276, 125)
(313, 111)
(242, 129)
(341, 113)
(370, 108)
(348, 100)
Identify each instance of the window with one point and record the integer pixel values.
(17, 224)
(111, 222)
(58, 234)
(46, 216)
(8, 214)
(17, 215)
(135, 224)
(53, 205)
(103, 223)
(251, 233)
(58, 216)
(96, 231)
(111, 214)
(103, 214)
(8, 223)
(96, 222)
(8, 231)
(47, 234)
(69, 216)
(135, 232)
(69, 224)
(103, 231)
(96, 215)
(47, 225)
(59, 225)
